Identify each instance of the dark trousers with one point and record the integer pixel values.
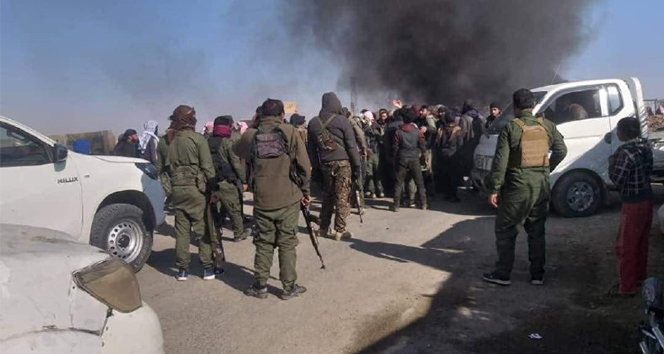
(529, 206)
(632, 244)
(449, 176)
(412, 168)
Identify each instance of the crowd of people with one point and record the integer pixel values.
(411, 152)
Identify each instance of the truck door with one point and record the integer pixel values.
(35, 190)
(579, 116)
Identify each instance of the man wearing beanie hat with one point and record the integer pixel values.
(281, 172)
(300, 123)
(189, 166)
(230, 175)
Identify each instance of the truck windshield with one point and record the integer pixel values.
(507, 115)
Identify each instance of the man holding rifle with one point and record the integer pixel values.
(333, 145)
(281, 174)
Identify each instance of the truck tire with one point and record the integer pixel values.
(577, 194)
(120, 230)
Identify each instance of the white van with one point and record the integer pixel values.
(111, 202)
(586, 114)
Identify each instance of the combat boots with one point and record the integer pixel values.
(342, 234)
(294, 291)
(260, 293)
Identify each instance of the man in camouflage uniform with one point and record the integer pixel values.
(332, 143)
(231, 176)
(520, 189)
(281, 176)
(190, 166)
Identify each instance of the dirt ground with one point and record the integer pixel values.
(409, 283)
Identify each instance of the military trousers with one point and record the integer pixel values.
(336, 194)
(528, 205)
(409, 167)
(276, 228)
(373, 183)
(230, 204)
(189, 204)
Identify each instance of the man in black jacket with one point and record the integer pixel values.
(409, 150)
(127, 145)
(335, 153)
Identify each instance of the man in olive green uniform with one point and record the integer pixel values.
(519, 186)
(230, 174)
(271, 151)
(190, 167)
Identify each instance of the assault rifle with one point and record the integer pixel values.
(314, 240)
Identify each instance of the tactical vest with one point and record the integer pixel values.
(269, 145)
(223, 168)
(534, 145)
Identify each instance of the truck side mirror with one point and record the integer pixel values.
(59, 153)
(608, 138)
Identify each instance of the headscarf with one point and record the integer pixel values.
(222, 126)
(184, 117)
(207, 128)
(369, 116)
(243, 127)
(149, 132)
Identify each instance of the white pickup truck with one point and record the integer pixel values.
(586, 114)
(111, 202)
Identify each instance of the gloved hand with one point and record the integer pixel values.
(215, 198)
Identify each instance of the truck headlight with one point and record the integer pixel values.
(112, 282)
(149, 169)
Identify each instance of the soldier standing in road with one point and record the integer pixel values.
(332, 142)
(519, 186)
(281, 176)
(190, 167)
(231, 175)
(409, 150)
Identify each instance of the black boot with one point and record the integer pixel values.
(294, 291)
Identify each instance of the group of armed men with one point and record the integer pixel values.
(421, 148)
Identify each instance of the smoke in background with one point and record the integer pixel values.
(445, 50)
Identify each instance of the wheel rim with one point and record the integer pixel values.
(125, 240)
(580, 196)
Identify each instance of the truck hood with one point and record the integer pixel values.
(120, 159)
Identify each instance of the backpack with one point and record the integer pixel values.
(534, 145)
(326, 140)
(223, 168)
(270, 145)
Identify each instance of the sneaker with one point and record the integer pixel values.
(373, 196)
(367, 194)
(412, 204)
(342, 234)
(208, 274)
(495, 278)
(537, 280)
(259, 293)
(182, 275)
(394, 208)
(242, 236)
(381, 195)
(294, 291)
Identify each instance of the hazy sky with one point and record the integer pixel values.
(84, 65)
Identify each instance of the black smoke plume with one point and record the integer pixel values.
(445, 50)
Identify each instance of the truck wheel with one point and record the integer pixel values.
(577, 194)
(119, 229)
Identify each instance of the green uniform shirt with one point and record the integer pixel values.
(228, 155)
(273, 187)
(190, 149)
(508, 147)
(162, 152)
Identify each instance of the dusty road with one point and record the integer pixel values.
(407, 283)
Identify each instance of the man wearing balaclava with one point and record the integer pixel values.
(190, 166)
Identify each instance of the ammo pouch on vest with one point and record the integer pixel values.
(534, 145)
(269, 145)
(326, 140)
